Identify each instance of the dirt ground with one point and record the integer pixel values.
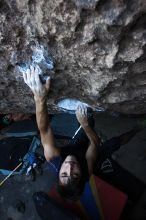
(131, 156)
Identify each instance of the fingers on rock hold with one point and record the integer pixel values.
(48, 81)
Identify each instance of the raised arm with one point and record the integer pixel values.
(40, 91)
(92, 151)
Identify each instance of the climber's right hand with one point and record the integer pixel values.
(81, 115)
(32, 79)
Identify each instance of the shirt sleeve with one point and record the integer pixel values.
(110, 146)
(54, 165)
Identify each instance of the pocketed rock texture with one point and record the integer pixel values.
(98, 47)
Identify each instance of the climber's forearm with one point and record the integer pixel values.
(93, 148)
(42, 116)
(47, 137)
(92, 136)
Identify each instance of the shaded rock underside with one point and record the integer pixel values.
(98, 46)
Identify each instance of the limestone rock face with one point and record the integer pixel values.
(98, 47)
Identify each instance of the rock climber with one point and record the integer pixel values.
(84, 155)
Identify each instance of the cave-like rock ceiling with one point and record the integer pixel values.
(98, 48)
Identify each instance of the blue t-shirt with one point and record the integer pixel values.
(54, 165)
(103, 163)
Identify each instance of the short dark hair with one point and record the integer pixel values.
(72, 190)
